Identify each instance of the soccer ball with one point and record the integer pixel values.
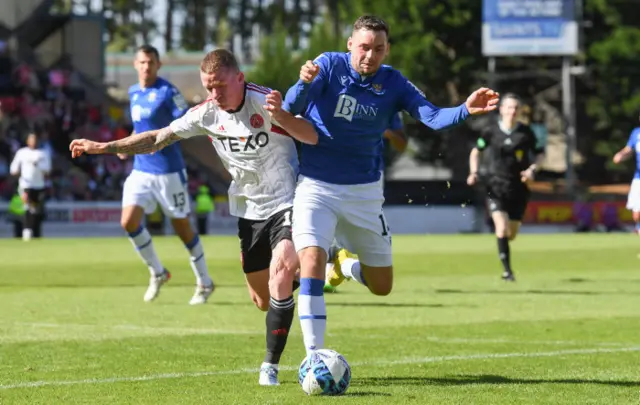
(324, 372)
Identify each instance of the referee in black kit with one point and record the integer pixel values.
(513, 160)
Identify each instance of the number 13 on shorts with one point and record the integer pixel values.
(385, 230)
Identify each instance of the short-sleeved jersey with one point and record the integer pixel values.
(351, 112)
(153, 108)
(634, 143)
(33, 166)
(509, 153)
(259, 154)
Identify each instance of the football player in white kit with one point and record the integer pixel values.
(253, 137)
(33, 166)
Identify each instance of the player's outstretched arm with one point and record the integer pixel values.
(622, 155)
(139, 144)
(414, 102)
(297, 127)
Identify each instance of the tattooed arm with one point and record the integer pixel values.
(145, 142)
(139, 144)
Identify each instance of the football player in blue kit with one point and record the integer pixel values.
(350, 98)
(159, 178)
(632, 148)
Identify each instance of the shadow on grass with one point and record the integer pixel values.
(484, 379)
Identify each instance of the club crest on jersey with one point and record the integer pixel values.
(152, 97)
(344, 80)
(377, 88)
(256, 121)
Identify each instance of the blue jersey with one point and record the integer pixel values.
(351, 113)
(154, 108)
(394, 125)
(634, 143)
(396, 122)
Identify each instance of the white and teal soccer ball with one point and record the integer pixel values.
(324, 372)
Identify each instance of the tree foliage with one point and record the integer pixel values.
(436, 44)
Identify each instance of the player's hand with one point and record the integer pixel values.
(309, 71)
(274, 104)
(482, 101)
(472, 179)
(527, 175)
(123, 156)
(80, 146)
(617, 158)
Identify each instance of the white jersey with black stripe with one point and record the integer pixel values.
(260, 156)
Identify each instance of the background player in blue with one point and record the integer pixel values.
(159, 178)
(633, 201)
(350, 99)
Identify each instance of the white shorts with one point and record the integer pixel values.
(147, 190)
(352, 214)
(633, 201)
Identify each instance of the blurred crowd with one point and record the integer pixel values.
(53, 104)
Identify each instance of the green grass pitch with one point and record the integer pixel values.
(74, 328)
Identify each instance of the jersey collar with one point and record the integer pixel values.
(507, 131)
(244, 97)
(151, 86)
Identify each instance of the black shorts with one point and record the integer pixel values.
(36, 196)
(259, 238)
(510, 196)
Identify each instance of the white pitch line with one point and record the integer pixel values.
(453, 340)
(420, 360)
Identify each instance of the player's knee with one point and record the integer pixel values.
(129, 225)
(381, 288)
(261, 304)
(636, 216)
(283, 266)
(379, 280)
(283, 278)
(312, 262)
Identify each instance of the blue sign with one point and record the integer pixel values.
(529, 27)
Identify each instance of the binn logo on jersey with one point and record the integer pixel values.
(138, 113)
(348, 108)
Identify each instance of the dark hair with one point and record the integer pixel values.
(149, 50)
(371, 23)
(510, 96)
(219, 58)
